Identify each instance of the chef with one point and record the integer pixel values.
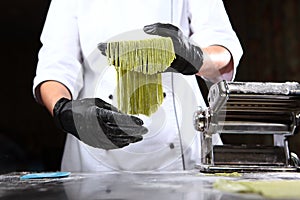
(79, 90)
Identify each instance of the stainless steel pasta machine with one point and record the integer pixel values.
(249, 108)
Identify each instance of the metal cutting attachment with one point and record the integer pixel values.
(255, 108)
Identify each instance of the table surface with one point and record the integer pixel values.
(126, 185)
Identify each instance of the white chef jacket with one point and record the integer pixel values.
(73, 29)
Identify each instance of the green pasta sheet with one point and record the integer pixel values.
(148, 56)
(274, 189)
(139, 65)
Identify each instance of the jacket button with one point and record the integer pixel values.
(164, 95)
(171, 145)
(110, 96)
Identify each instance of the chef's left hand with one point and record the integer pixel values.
(189, 57)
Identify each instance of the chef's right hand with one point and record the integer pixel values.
(98, 123)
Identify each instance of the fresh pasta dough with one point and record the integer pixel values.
(279, 189)
(138, 64)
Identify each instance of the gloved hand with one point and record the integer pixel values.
(97, 123)
(189, 58)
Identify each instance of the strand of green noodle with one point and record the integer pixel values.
(138, 64)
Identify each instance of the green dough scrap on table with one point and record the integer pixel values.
(233, 174)
(276, 189)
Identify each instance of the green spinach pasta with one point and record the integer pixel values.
(138, 64)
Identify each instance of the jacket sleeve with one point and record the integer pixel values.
(60, 54)
(210, 25)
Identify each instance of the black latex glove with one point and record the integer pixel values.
(189, 57)
(97, 123)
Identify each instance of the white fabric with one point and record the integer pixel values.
(70, 36)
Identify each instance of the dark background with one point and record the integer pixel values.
(268, 31)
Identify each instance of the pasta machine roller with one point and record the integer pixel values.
(249, 108)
